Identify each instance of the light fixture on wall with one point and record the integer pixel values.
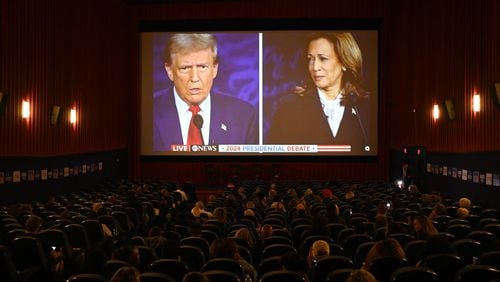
(72, 116)
(435, 112)
(476, 103)
(25, 113)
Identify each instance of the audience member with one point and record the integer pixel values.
(423, 227)
(246, 235)
(384, 248)
(437, 210)
(227, 248)
(128, 253)
(464, 203)
(319, 249)
(195, 276)
(361, 275)
(126, 274)
(199, 209)
(462, 213)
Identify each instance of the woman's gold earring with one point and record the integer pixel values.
(344, 69)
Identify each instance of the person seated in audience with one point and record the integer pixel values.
(292, 261)
(220, 214)
(128, 253)
(394, 228)
(361, 275)
(389, 247)
(199, 209)
(318, 227)
(349, 195)
(413, 189)
(245, 234)
(463, 213)
(54, 254)
(278, 206)
(318, 250)
(437, 210)
(126, 274)
(464, 203)
(300, 210)
(380, 221)
(227, 248)
(333, 213)
(195, 276)
(382, 208)
(423, 227)
(155, 240)
(242, 194)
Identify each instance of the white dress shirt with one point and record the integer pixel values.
(185, 117)
(333, 110)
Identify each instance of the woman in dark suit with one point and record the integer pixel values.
(330, 107)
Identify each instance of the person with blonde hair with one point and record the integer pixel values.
(318, 250)
(464, 203)
(463, 213)
(199, 209)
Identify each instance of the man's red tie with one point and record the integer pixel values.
(194, 135)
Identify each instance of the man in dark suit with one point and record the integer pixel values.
(191, 64)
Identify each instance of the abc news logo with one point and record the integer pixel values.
(195, 148)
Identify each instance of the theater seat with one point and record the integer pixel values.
(414, 274)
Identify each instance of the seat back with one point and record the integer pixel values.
(172, 267)
(277, 250)
(95, 232)
(281, 275)
(199, 242)
(491, 258)
(339, 275)
(328, 264)
(113, 265)
(155, 277)
(352, 242)
(445, 265)
(77, 236)
(414, 274)
(8, 271)
(474, 273)
(225, 264)
(467, 249)
(221, 275)
(383, 267)
(192, 256)
(87, 277)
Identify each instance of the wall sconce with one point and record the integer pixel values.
(435, 112)
(25, 109)
(476, 103)
(72, 116)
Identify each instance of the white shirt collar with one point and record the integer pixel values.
(185, 116)
(333, 111)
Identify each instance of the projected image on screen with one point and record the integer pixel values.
(259, 93)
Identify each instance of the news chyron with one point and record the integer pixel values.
(195, 148)
(260, 148)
